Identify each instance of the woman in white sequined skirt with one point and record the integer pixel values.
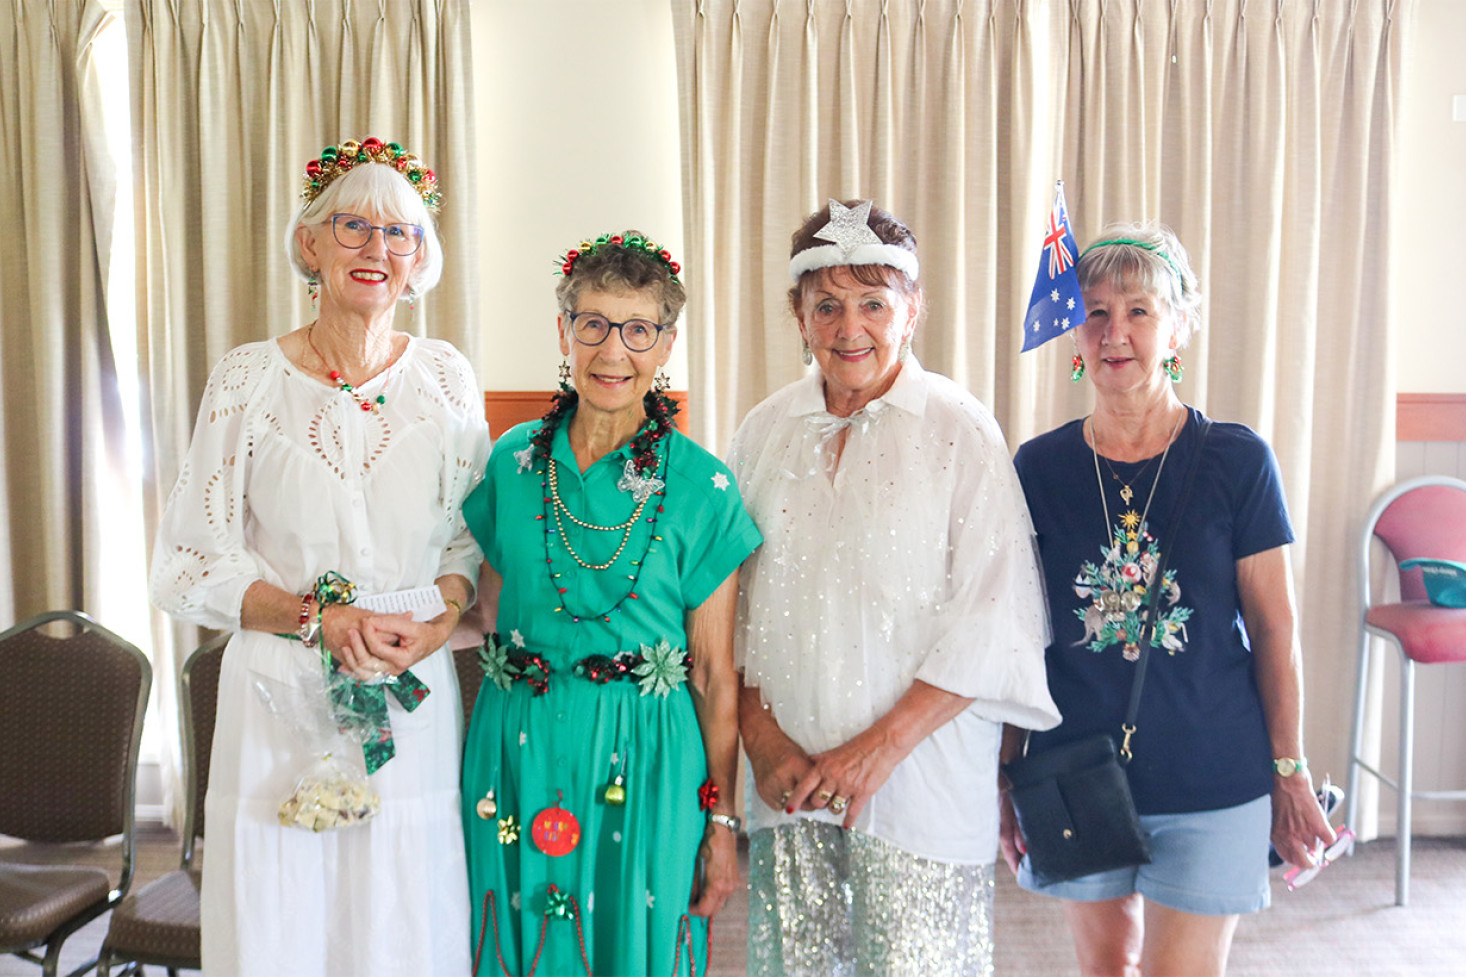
(891, 623)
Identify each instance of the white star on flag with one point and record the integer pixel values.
(1054, 295)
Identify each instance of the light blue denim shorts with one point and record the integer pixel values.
(1210, 863)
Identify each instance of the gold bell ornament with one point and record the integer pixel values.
(487, 807)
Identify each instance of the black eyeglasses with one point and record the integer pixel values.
(592, 329)
(354, 232)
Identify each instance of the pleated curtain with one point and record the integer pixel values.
(1262, 132)
(60, 429)
(230, 101)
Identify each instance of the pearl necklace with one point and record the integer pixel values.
(560, 508)
(341, 384)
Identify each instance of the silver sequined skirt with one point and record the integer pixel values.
(825, 902)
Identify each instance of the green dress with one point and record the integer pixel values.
(549, 740)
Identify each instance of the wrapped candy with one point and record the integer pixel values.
(331, 793)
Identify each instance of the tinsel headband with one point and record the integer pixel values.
(1144, 246)
(339, 160)
(634, 243)
(854, 243)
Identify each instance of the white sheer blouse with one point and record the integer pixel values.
(287, 478)
(912, 558)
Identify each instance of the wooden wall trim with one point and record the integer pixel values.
(1430, 417)
(506, 408)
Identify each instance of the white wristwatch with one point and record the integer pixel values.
(733, 824)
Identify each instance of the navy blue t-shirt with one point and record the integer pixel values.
(1202, 741)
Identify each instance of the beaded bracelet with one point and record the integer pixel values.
(308, 633)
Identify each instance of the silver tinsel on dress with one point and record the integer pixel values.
(826, 902)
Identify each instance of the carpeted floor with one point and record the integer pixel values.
(1344, 923)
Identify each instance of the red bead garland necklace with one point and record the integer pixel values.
(336, 378)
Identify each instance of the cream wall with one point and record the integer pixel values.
(576, 105)
(1429, 312)
(577, 119)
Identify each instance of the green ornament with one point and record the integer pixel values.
(329, 152)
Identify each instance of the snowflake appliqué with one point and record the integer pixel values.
(525, 457)
(661, 670)
(1118, 588)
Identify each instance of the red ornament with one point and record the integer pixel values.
(707, 795)
(335, 374)
(572, 254)
(664, 254)
(566, 267)
(555, 831)
(676, 268)
(313, 168)
(366, 407)
(430, 176)
(372, 145)
(616, 239)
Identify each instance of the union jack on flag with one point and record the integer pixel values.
(1056, 305)
(1056, 240)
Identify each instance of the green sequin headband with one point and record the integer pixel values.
(1144, 246)
(635, 243)
(336, 161)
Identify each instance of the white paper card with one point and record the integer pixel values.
(424, 603)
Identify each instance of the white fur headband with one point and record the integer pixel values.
(854, 244)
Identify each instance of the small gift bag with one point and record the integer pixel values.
(330, 793)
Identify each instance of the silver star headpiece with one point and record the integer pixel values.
(852, 243)
(849, 227)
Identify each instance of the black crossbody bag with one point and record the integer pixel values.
(1073, 802)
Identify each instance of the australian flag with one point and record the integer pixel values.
(1056, 305)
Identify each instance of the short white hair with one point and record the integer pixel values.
(1146, 255)
(377, 187)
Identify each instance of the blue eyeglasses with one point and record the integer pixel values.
(593, 329)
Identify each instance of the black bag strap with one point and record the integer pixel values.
(1153, 599)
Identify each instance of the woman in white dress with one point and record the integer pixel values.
(344, 447)
(891, 623)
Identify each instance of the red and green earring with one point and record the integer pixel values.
(1173, 367)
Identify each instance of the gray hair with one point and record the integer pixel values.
(614, 268)
(380, 188)
(1146, 255)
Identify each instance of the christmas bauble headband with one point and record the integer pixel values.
(1154, 249)
(634, 243)
(336, 161)
(854, 244)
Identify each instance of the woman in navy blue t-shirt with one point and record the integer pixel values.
(1218, 757)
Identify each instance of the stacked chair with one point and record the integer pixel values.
(159, 924)
(70, 727)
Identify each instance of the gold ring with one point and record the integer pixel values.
(837, 804)
(784, 798)
(824, 795)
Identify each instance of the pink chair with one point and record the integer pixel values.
(1422, 517)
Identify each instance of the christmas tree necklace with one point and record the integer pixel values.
(647, 456)
(341, 384)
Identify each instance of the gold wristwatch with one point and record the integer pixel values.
(1286, 766)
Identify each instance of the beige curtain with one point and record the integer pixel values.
(60, 426)
(230, 101)
(1262, 132)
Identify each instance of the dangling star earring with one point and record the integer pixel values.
(565, 375)
(1173, 367)
(662, 383)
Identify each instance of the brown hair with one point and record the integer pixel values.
(886, 227)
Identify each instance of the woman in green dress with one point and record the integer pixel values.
(598, 779)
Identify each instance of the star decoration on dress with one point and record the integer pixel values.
(848, 228)
(525, 457)
(517, 638)
(720, 482)
(651, 900)
(523, 738)
(514, 900)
